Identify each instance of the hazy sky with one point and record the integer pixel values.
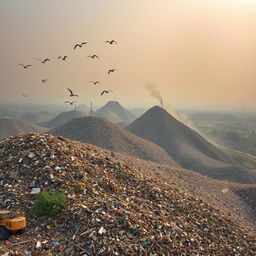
(199, 54)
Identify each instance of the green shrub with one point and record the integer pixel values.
(49, 203)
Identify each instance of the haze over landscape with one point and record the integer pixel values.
(127, 128)
(199, 54)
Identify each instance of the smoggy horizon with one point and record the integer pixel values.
(198, 55)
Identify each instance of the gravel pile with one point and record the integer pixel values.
(62, 118)
(187, 147)
(122, 210)
(102, 133)
(10, 127)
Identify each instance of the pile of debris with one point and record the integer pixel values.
(120, 211)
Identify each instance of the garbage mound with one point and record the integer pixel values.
(114, 112)
(119, 210)
(104, 134)
(11, 127)
(187, 147)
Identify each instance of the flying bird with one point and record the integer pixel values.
(45, 80)
(24, 95)
(95, 82)
(43, 61)
(79, 45)
(111, 42)
(63, 58)
(93, 56)
(105, 92)
(72, 94)
(70, 102)
(111, 70)
(25, 66)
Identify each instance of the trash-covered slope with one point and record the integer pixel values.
(102, 133)
(122, 211)
(187, 147)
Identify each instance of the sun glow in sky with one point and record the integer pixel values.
(195, 52)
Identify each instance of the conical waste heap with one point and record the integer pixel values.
(115, 112)
(102, 133)
(118, 211)
(187, 147)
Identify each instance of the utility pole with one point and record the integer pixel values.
(91, 112)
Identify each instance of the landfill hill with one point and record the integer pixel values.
(102, 133)
(10, 127)
(122, 210)
(36, 118)
(62, 118)
(115, 113)
(187, 147)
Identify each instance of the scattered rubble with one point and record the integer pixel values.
(121, 211)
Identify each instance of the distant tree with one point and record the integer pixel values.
(231, 136)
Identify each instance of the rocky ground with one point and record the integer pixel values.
(123, 208)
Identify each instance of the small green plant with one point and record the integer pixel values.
(49, 203)
(79, 189)
(118, 164)
(121, 175)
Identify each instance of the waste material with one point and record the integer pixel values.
(35, 191)
(122, 211)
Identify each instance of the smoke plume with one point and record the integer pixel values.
(154, 93)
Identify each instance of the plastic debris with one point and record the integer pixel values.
(35, 191)
(38, 244)
(102, 231)
(31, 155)
(122, 210)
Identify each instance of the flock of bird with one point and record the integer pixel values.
(64, 58)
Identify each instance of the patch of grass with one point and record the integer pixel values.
(121, 175)
(49, 203)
